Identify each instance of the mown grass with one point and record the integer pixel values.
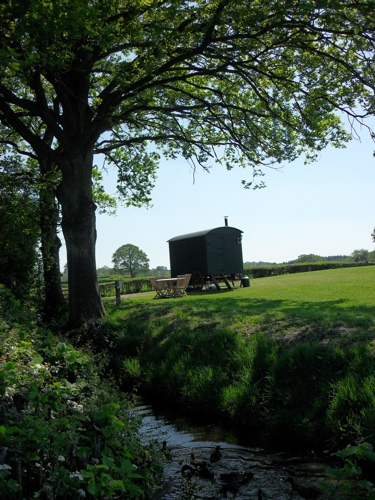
(291, 354)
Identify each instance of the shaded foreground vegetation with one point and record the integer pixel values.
(291, 355)
(65, 433)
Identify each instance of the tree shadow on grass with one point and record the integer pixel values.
(283, 320)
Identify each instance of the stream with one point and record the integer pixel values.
(242, 471)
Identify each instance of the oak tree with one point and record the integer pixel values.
(244, 83)
(360, 255)
(130, 260)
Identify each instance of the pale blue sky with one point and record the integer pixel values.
(325, 208)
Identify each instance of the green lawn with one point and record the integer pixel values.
(324, 305)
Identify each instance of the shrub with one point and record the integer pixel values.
(356, 474)
(64, 432)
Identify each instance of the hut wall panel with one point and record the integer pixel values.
(188, 256)
(216, 251)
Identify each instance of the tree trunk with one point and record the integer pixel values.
(54, 299)
(78, 225)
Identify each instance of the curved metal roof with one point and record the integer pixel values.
(202, 233)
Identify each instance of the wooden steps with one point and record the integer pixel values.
(219, 280)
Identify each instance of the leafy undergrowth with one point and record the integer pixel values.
(355, 477)
(64, 431)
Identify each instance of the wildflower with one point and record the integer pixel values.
(77, 475)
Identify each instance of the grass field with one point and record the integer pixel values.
(336, 306)
(293, 354)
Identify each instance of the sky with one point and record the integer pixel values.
(323, 208)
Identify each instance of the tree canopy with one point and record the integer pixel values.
(130, 259)
(247, 84)
(19, 230)
(309, 258)
(360, 255)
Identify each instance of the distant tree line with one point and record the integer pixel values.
(111, 271)
(360, 255)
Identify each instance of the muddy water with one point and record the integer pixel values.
(248, 472)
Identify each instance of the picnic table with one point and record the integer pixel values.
(170, 287)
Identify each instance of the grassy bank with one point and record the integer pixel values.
(292, 354)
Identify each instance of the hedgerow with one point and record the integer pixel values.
(279, 269)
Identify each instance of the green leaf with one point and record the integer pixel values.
(9, 365)
(116, 484)
(93, 488)
(37, 360)
(127, 466)
(107, 461)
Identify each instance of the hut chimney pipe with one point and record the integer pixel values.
(226, 220)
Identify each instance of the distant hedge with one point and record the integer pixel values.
(107, 286)
(107, 289)
(264, 272)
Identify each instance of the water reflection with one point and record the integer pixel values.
(180, 430)
(255, 473)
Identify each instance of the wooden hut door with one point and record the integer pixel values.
(215, 255)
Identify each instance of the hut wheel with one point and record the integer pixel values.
(197, 280)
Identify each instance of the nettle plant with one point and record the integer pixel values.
(63, 431)
(353, 477)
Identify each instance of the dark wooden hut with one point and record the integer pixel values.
(212, 253)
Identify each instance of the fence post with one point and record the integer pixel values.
(118, 285)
